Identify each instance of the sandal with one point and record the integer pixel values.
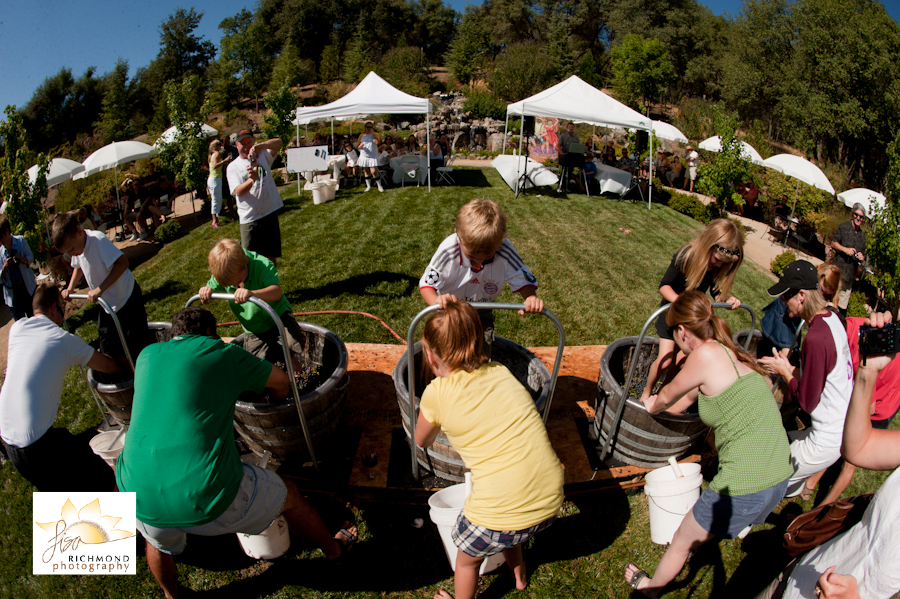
(806, 494)
(346, 543)
(637, 577)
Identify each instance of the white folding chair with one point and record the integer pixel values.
(409, 170)
(444, 172)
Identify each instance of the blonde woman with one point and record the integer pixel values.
(709, 262)
(217, 160)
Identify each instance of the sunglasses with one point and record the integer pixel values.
(726, 252)
(858, 216)
(787, 295)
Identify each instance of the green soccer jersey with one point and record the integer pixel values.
(179, 455)
(261, 273)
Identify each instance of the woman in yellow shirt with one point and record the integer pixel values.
(490, 419)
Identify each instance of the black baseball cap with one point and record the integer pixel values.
(799, 274)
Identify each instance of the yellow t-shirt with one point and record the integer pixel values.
(490, 419)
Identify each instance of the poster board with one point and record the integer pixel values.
(544, 144)
(312, 158)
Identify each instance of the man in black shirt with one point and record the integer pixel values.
(849, 244)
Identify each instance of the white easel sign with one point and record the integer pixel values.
(313, 158)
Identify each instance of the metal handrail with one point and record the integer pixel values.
(410, 362)
(287, 362)
(631, 368)
(115, 319)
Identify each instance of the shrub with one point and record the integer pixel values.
(739, 225)
(782, 260)
(690, 206)
(857, 305)
(235, 116)
(483, 104)
(168, 231)
(278, 177)
(521, 70)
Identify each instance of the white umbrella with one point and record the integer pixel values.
(113, 156)
(800, 168)
(714, 144)
(869, 199)
(168, 136)
(60, 171)
(670, 132)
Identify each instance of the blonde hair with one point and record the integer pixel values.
(829, 281)
(455, 335)
(215, 146)
(694, 256)
(481, 226)
(226, 260)
(693, 310)
(813, 303)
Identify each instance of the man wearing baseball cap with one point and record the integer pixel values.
(254, 189)
(824, 390)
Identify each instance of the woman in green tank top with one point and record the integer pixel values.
(735, 399)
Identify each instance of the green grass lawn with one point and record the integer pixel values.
(366, 252)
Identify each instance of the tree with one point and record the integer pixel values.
(406, 69)
(522, 70)
(115, 118)
(187, 111)
(282, 105)
(61, 108)
(728, 167)
(641, 70)
(466, 55)
(291, 69)
(433, 30)
(244, 52)
(358, 57)
(24, 201)
(883, 248)
(559, 50)
(330, 63)
(181, 52)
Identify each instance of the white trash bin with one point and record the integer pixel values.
(331, 187)
(271, 543)
(670, 499)
(446, 506)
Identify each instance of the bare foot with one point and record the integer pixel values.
(442, 594)
(642, 584)
(519, 575)
(345, 542)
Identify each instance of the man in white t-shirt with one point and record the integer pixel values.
(251, 183)
(40, 354)
(693, 162)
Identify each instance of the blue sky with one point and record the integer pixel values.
(39, 37)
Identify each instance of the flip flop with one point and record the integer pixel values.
(806, 494)
(637, 577)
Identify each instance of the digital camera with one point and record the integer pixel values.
(874, 341)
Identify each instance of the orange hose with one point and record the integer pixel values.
(384, 324)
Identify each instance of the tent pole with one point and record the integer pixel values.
(793, 207)
(505, 133)
(298, 145)
(118, 200)
(650, 182)
(428, 143)
(519, 157)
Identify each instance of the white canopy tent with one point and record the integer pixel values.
(575, 100)
(373, 95)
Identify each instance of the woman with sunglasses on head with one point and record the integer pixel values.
(735, 400)
(824, 390)
(709, 261)
(368, 143)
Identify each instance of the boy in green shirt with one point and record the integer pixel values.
(247, 274)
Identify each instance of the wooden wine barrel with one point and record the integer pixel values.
(441, 459)
(641, 440)
(741, 336)
(118, 396)
(275, 426)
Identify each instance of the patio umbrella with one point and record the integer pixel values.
(869, 199)
(60, 171)
(670, 132)
(168, 136)
(113, 156)
(714, 144)
(801, 169)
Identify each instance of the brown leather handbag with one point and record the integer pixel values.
(812, 528)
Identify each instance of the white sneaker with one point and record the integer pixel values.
(143, 236)
(134, 237)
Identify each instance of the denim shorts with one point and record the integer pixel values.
(726, 516)
(259, 501)
(478, 541)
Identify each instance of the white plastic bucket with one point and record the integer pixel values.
(331, 186)
(446, 506)
(319, 192)
(271, 543)
(670, 498)
(100, 445)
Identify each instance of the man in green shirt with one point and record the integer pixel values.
(180, 458)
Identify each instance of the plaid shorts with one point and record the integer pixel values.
(478, 541)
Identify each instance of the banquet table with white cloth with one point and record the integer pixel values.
(612, 180)
(510, 168)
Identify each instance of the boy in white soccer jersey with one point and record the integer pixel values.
(473, 263)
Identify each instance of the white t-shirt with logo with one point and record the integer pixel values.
(263, 198)
(40, 353)
(96, 262)
(451, 272)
